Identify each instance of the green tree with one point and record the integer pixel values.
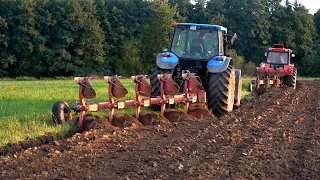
(43, 20)
(281, 24)
(309, 65)
(184, 7)
(130, 62)
(6, 58)
(249, 19)
(3, 27)
(216, 10)
(102, 17)
(8, 10)
(199, 13)
(26, 41)
(76, 41)
(155, 29)
(317, 21)
(304, 28)
(92, 42)
(127, 19)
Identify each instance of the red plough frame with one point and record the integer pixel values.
(193, 92)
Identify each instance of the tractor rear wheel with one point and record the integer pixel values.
(154, 81)
(61, 112)
(291, 80)
(221, 91)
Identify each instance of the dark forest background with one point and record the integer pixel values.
(49, 38)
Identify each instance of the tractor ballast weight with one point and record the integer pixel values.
(202, 49)
(278, 70)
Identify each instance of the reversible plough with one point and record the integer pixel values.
(193, 93)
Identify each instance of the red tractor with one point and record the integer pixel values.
(278, 70)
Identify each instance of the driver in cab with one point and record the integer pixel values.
(198, 44)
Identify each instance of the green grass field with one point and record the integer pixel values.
(25, 105)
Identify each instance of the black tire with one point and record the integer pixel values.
(250, 88)
(238, 89)
(154, 81)
(61, 112)
(155, 84)
(291, 80)
(221, 91)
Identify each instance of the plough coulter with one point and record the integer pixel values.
(193, 93)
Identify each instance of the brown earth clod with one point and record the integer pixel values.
(174, 115)
(152, 118)
(201, 113)
(123, 121)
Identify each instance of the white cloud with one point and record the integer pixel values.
(312, 5)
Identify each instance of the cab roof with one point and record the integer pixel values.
(279, 48)
(217, 27)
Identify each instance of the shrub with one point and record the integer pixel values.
(130, 63)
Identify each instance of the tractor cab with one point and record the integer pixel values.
(198, 46)
(197, 41)
(278, 56)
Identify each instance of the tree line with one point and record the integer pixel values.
(48, 38)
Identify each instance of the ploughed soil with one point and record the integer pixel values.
(275, 135)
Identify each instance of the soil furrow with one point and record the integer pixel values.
(274, 136)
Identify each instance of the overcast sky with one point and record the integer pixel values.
(312, 5)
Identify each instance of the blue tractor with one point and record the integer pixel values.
(202, 49)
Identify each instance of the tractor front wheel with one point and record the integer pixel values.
(61, 112)
(221, 91)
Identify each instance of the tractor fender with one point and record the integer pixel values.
(167, 60)
(218, 64)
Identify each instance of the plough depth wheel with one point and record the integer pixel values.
(61, 112)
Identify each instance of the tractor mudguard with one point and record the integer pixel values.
(167, 60)
(218, 64)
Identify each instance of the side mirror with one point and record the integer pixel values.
(293, 57)
(234, 37)
(265, 54)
